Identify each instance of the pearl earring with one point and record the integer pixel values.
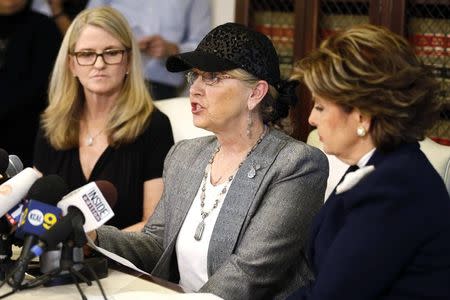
(361, 131)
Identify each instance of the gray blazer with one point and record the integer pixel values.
(257, 245)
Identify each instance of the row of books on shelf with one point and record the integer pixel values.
(431, 41)
(279, 27)
(332, 23)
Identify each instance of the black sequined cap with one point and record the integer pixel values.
(230, 46)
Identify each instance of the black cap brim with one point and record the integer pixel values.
(200, 60)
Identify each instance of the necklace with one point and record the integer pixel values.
(204, 214)
(91, 138)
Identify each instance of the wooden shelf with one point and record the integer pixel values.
(393, 14)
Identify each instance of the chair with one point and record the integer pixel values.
(337, 167)
(439, 157)
(179, 112)
(437, 154)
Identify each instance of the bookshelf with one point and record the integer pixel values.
(297, 26)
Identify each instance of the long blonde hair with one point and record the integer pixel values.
(130, 115)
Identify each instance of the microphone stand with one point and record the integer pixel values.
(5, 249)
(5, 255)
(67, 264)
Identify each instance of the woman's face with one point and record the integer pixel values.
(337, 129)
(221, 106)
(100, 78)
(9, 7)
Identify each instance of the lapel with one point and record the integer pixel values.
(332, 203)
(188, 180)
(240, 199)
(188, 183)
(334, 200)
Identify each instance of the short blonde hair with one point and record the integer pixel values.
(370, 68)
(129, 117)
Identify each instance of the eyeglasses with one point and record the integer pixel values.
(208, 78)
(89, 58)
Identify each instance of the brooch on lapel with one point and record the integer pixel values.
(352, 178)
(253, 169)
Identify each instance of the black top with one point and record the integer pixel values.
(126, 167)
(29, 43)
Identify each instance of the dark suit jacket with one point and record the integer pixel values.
(386, 238)
(261, 228)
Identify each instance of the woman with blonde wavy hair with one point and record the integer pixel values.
(384, 232)
(100, 123)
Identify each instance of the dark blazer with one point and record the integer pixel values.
(386, 238)
(261, 228)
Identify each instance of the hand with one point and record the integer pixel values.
(157, 47)
(92, 235)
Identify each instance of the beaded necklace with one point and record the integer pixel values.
(201, 226)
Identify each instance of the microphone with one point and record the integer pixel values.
(9, 165)
(39, 209)
(88, 206)
(16, 188)
(4, 161)
(38, 216)
(15, 165)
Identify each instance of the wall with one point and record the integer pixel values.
(222, 11)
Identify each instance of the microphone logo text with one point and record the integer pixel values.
(35, 217)
(95, 202)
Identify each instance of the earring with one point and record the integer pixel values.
(249, 124)
(361, 131)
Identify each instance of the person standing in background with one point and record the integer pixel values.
(163, 28)
(61, 11)
(29, 42)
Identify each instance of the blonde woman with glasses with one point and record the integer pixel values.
(100, 123)
(237, 205)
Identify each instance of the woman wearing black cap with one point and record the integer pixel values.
(237, 205)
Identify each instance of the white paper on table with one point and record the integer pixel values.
(115, 257)
(142, 295)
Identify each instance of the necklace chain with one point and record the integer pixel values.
(204, 214)
(91, 138)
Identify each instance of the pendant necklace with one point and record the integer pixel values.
(201, 226)
(91, 138)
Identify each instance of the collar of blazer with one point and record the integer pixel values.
(352, 178)
(234, 214)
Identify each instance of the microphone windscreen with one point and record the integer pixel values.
(48, 189)
(4, 160)
(108, 190)
(15, 165)
(16, 188)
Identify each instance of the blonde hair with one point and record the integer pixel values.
(129, 117)
(370, 68)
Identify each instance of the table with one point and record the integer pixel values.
(116, 282)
